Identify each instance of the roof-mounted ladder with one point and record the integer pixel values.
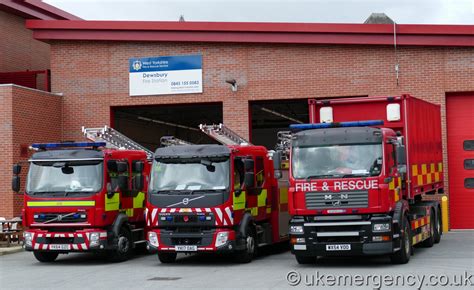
(223, 134)
(171, 140)
(114, 139)
(284, 143)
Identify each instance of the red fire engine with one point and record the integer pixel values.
(84, 197)
(215, 198)
(357, 187)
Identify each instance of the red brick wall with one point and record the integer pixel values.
(18, 50)
(30, 116)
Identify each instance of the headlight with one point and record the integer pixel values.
(385, 227)
(28, 238)
(222, 238)
(94, 239)
(153, 239)
(296, 229)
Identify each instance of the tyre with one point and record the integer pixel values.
(167, 258)
(246, 256)
(438, 229)
(429, 242)
(45, 257)
(402, 256)
(304, 260)
(124, 246)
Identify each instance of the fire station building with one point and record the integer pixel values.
(150, 79)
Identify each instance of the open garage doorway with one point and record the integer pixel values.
(147, 124)
(269, 117)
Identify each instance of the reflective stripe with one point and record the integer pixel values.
(112, 203)
(138, 200)
(61, 203)
(239, 201)
(262, 198)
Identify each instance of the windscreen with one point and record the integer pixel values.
(337, 161)
(65, 177)
(190, 175)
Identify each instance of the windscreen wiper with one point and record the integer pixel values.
(322, 176)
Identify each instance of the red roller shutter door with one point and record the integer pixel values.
(460, 133)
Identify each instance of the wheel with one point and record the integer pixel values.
(45, 257)
(123, 248)
(303, 260)
(247, 255)
(167, 258)
(402, 256)
(438, 230)
(429, 242)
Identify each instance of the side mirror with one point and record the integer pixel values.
(249, 180)
(138, 182)
(16, 183)
(123, 182)
(16, 169)
(138, 166)
(277, 164)
(401, 155)
(249, 164)
(110, 192)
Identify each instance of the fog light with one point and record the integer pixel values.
(300, 240)
(221, 238)
(385, 227)
(153, 239)
(296, 229)
(381, 238)
(28, 238)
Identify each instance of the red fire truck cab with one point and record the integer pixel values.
(80, 197)
(358, 177)
(214, 198)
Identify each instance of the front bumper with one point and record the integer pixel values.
(64, 242)
(199, 241)
(342, 237)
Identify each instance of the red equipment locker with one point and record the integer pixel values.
(460, 133)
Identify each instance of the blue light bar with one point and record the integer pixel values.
(67, 144)
(335, 125)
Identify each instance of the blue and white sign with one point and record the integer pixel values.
(165, 75)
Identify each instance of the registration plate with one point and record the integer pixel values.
(60, 247)
(344, 247)
(186, 248)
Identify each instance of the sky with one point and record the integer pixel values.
(312, 11)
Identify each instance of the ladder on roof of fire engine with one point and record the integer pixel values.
(172, 140)
(284, 143)
(222, 134)
(114, 139)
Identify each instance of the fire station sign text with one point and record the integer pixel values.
(165, 75)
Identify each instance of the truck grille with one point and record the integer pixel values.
(343, 199)
(72, 218)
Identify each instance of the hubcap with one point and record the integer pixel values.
(123, 244)
(250, 245)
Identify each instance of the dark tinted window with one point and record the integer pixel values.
(469, 183)
(469, 145)
(469, 164)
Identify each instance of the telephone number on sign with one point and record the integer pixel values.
(185, 83)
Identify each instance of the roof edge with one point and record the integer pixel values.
(254, 32)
